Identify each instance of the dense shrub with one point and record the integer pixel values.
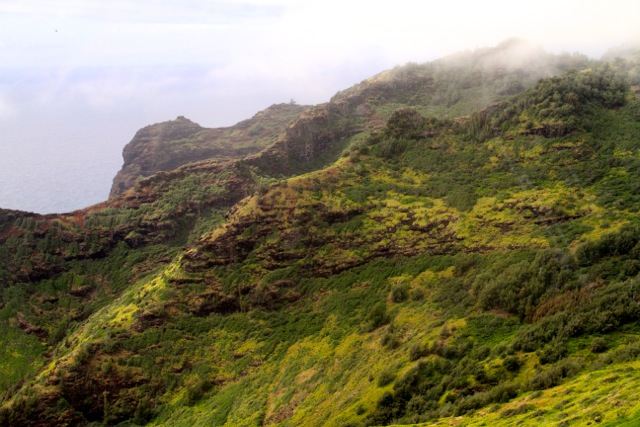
(511, 363)
(519, 287)
(620, 243)
(546, 379)
(196, 391)
(560, 105)
(405, 123)
(598, 345)
(400, 292)
(386, 377)
(378, 316)
(416, 351)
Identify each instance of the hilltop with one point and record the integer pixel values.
(450, 243)
(166, 146)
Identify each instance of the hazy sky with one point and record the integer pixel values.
(80, 77)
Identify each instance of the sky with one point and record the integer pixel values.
(79, 77)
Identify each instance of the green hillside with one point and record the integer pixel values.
(410, 253)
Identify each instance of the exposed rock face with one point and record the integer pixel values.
(150, 151)
(168, 145)
(314, 139)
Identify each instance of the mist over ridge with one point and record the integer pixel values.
(86, 114)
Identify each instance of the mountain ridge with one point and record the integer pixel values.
(307, 132)
(168, 145)
(437, 267)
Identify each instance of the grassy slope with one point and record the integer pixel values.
(308, 384)
(606, 396)
(347, 289)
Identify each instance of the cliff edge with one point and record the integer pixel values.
(168, 145)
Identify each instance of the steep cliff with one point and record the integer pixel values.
(168, 145)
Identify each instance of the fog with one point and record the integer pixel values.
(80, 77)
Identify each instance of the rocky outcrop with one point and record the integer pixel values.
(312, 141)
(168, 145)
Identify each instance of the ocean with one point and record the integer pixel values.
(58, 169)
(55, 179)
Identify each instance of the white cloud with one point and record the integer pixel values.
(282, 49)
(7, 109)
(142, 10)
(292, 33)
(107, 92)
(305, 47)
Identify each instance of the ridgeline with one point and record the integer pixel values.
(449, 243)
